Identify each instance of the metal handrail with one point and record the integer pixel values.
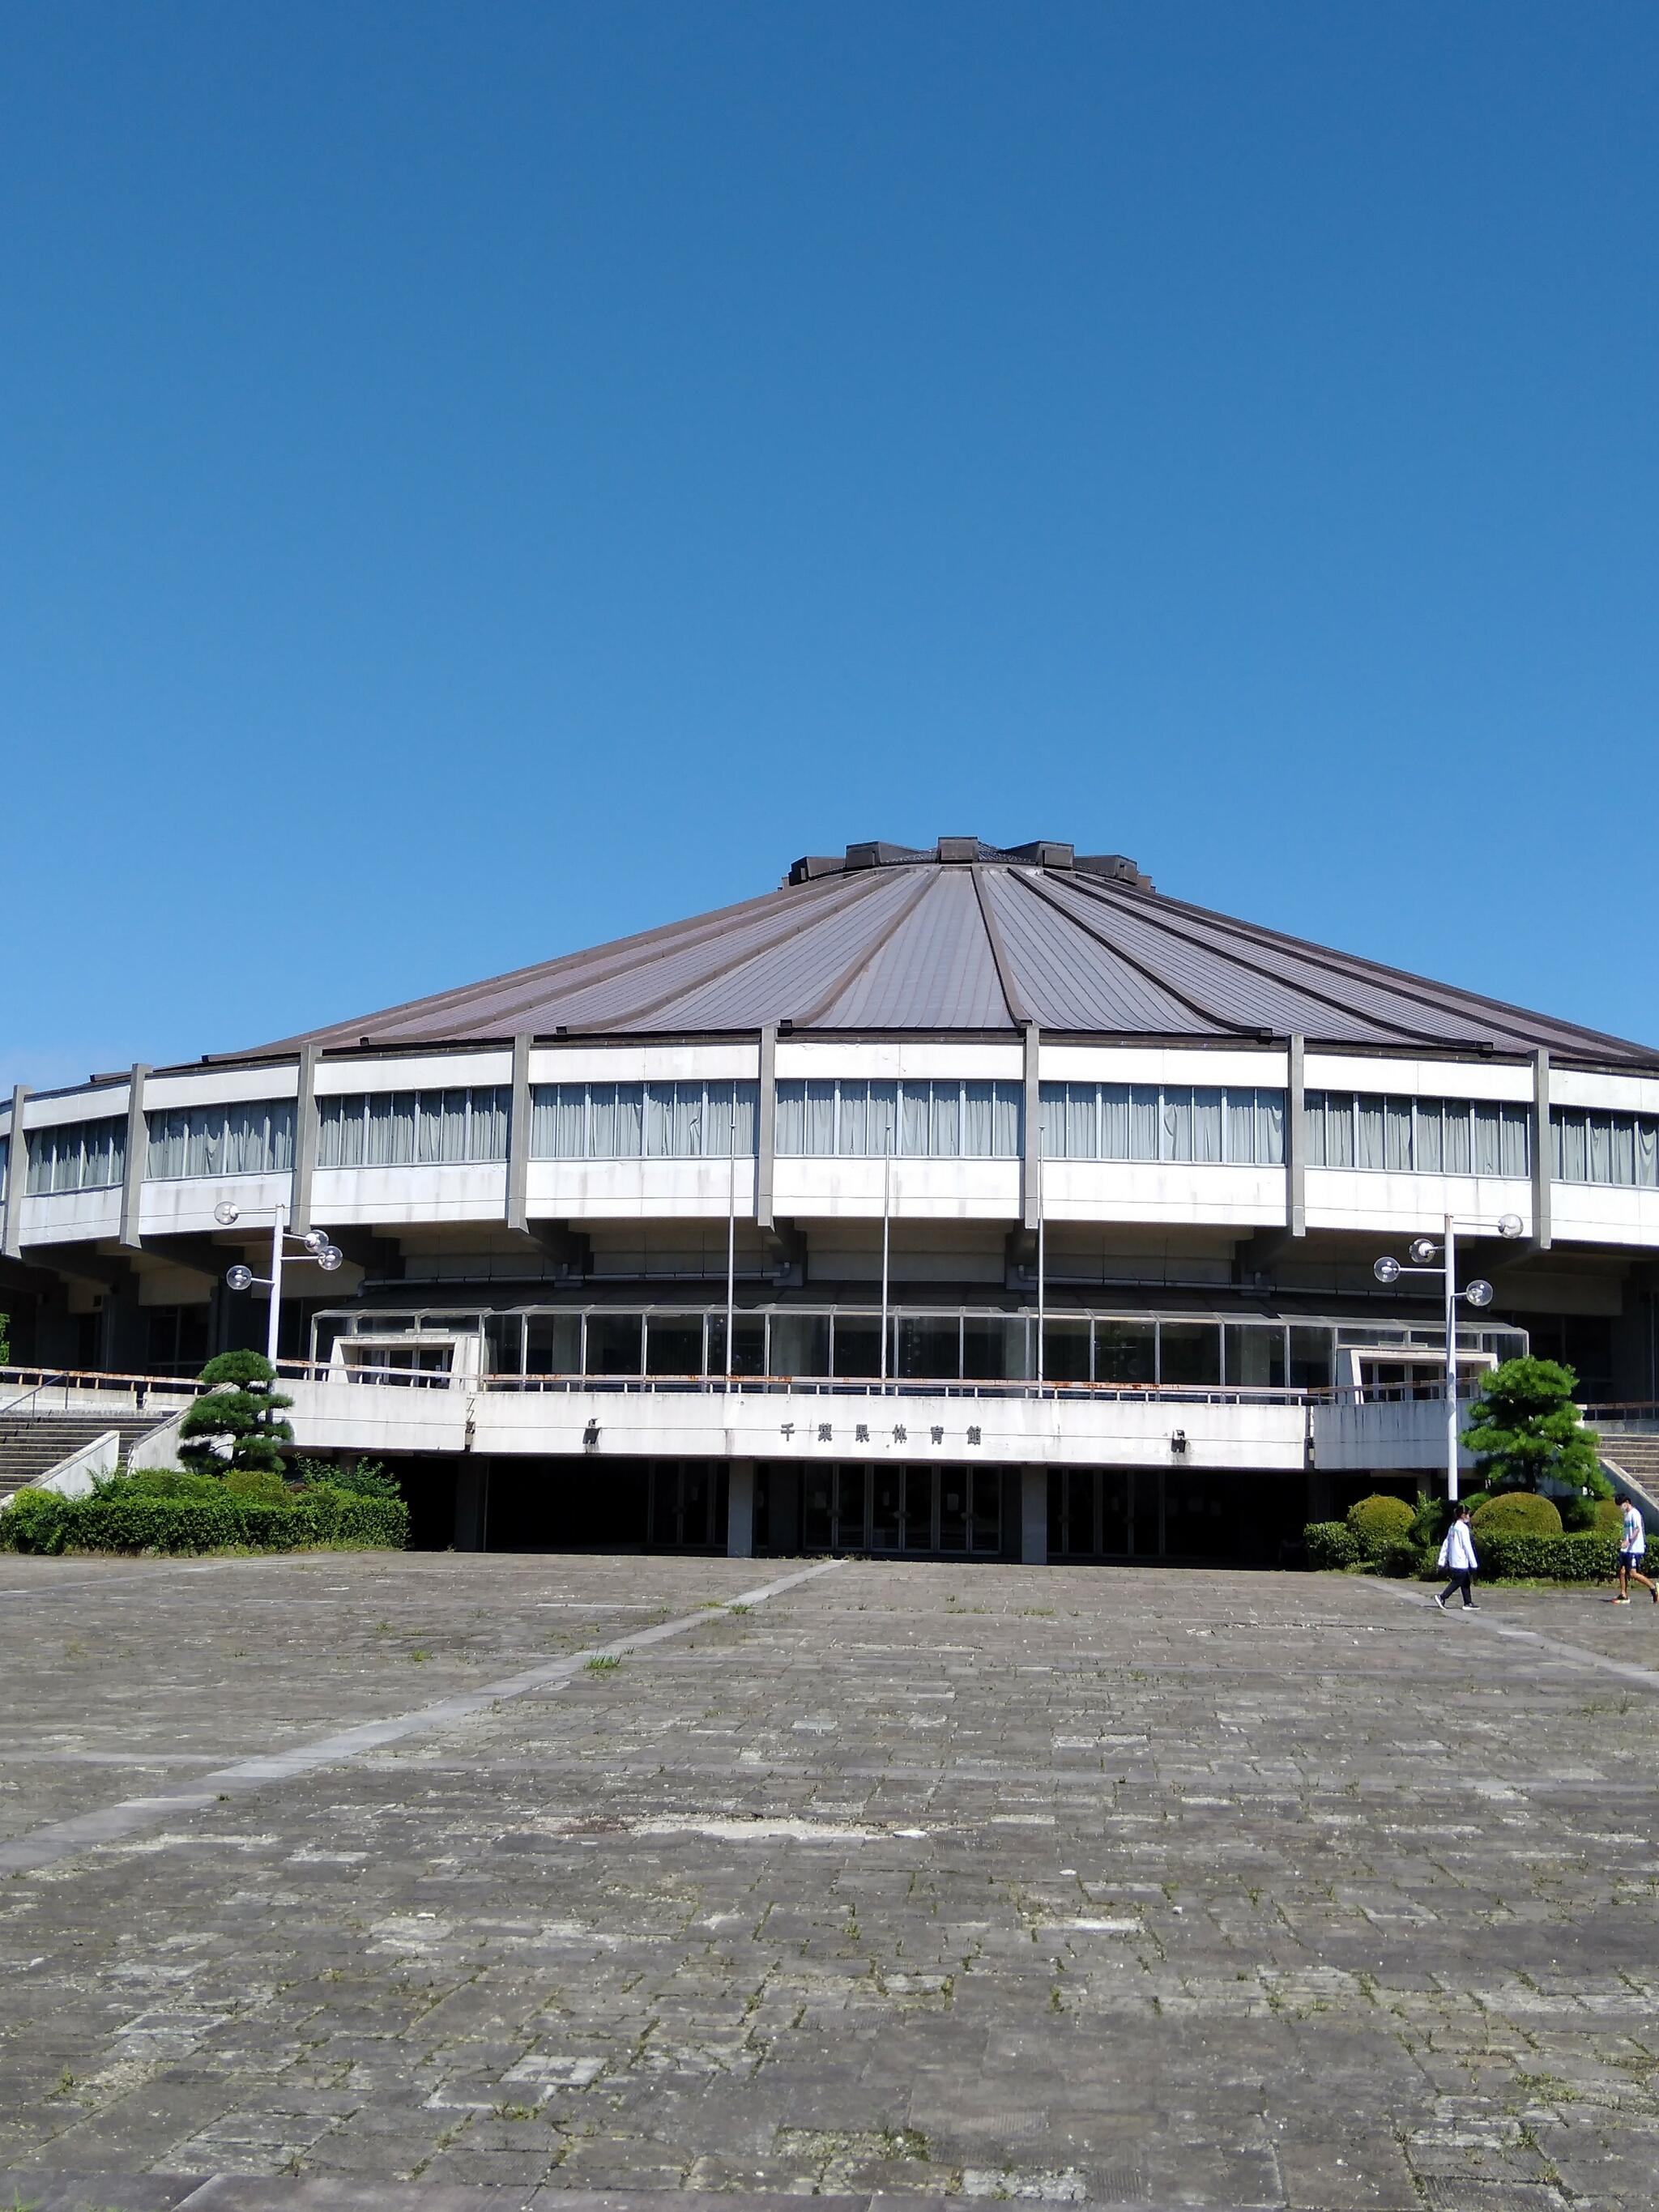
(28, 1397)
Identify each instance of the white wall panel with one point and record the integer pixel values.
(638, 1190)
(221, 1086)
(1604, 1214)
(360, 1197)
(1628, 1094)
(185, 1206)
(427, 1071)
(1163, 1191)
(635, 1063)
(71, 1216)
(1417, 1078)
(922, 1189)
(1091, 1063)
(887, 1060)
(1408, 1204)
(103, 1102)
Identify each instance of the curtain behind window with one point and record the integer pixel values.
(978, 1140)
(1454, 1121)
(852, 1118)
(914, 1108)
(1270, 1126)
(1397, 1133)
(1313, 1122)
(1082, 1137)
(1369, 1139)
(884, 1119)
(1514, 1150)
(790, 1126)
(1488, 1149)
(1429, 1144)
(1177, 1122)
(1206, 1123)
(945, 1140)
(1241, 1125)
(820, 1118)
(1647, 1152)
(1600, 1148)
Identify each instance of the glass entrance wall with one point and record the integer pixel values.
(948, 1346)
(887, 1509)
(1104, 1513)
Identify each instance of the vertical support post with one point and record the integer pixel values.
(1043, 1278)
(740, 1510)
(516, 1206)
(274, 1319)
(17, 1175)
(766, 1107)
(1296, 1140)
(732, 1263)
(1033, 1515)
(305, 1140)
(886, 1218)
(1030, 1207)
(132, 1179)
(1543, 1150)
(1451, 1257)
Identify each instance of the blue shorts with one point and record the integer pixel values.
(1632, 1561)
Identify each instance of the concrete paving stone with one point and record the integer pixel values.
(1323, 1906)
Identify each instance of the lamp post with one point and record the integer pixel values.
(1425, 1254)
(313, 1245)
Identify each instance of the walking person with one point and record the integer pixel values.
(1458, 1558)
(1632, 1544)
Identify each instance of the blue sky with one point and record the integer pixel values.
(481, 481)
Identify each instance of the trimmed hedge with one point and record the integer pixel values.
(1331, 1544)
(1516, 1513)
(1379, 1523)
(1587, 1556)
(123, 1518)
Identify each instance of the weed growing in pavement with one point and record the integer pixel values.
(604, 1663)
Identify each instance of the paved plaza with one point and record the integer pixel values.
(1079, 1886)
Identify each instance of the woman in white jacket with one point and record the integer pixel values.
(1458, 1557)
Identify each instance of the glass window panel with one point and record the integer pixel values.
(1051, 1099)
(1255, 1356)
(1455, 1122)
(1397, 1133)
(1314, 1125)
(1574, 1127)
(1006, 1100)
(1312, 1359)
(984, 1509)
(630, 1120)
(1600, 1148)
(1428, 1143)
(818, 1507)
(1488, 1153)
(1624, 1149)
(744, 1107)
(1082, 1118)
(1125, 1352)
(1115, 1121)
(686, 1125)
(673, 1344)
(929, 1346)
(614, 1342)
(914, 1108)
(947, 1120)
(1144, 1119)
(852, 1118)
(1177, 1122)
(820, 1118)
(884, 1119)
(1369, 1138)
(659, 1105)
(858, 1345)
(718, 1138)
(800, 1343)
(1189, 1352)
(553, 1343)
(1647, 1152)
(1514, 1138)
(953, 1508)
(995, 1348)
(1338, 1129)
(1270, 1127)
(978, 1136)
(1241, 1125)
(1206, 1123)
(791, 1124)
(1065, 1350)
(886, 1508)
(749, 1338)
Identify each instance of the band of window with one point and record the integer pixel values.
(410, 1129)
(252, 1137)
(660, 1120)
(1371, 1130)
(1186, 1122)
(75, 1156)
(1587, 1145)
(931, 1118)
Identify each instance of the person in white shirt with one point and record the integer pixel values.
(1458, 1557)
(1632, 1544)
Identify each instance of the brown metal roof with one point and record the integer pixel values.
(968, 937)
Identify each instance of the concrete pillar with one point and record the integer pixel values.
(740, 1509)
(517, 1138)
(137, 1159)
(766, 1105)
(1031, 1152)
(1543, 1150)
(17, 1166)
(305, 1141)
(1033, 1515)
(1295, 1142)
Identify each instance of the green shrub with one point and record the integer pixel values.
(127, 1516)
(1517, 1513)
(1403, 1560)
(364, 1478)
(1609, 1518)
(1380, 1522)
(162, 1482)
(1331, 1544)
(257, 1483)
(1583, 1559)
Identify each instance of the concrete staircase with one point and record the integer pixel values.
(1630, 1457)
(32, 1444)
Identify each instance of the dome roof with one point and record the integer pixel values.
(970, 938)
